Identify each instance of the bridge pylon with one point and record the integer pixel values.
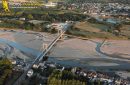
(60, 32)
(44, 46)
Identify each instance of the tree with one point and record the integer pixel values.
(53, 30)
(18, 13)
(6, 67)
(118, 27)
(30, 16)
(63, 78)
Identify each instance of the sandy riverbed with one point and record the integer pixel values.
(77, 52)
(117, 48)
(26, 44)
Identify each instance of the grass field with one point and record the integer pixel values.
(126, 31)
(86, 26)
(93, 30)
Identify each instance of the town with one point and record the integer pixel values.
(64, 42)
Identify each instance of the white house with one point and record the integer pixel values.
(30, 73)
(51, 4)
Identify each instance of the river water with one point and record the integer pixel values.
(20, 47)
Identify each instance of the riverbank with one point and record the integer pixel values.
(83, 53)
(117, 48)
(26, 44)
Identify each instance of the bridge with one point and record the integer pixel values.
(43, 53)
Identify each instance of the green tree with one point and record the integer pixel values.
(30, 16)
(18, 13)
(6, 69)
(118, 27)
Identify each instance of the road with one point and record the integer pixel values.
(44, 52)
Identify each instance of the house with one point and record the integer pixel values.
(22, 19)
(13, 62)
(35, 66)
(73, 70)
(51, 64)
(35, 22)
(38, 22)
(30, 73)
(51, 4)
(60, 68)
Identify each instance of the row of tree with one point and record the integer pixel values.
(64, 78)
(55, 17)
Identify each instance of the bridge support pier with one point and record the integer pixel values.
(61, 35)
(44, 46)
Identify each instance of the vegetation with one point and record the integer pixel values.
(55, 16)
(96, 29)
(97, 1)
(30, 17)
(90, 29)
(5, 70)
(12, 24)
(49, 15)
(64, 78)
